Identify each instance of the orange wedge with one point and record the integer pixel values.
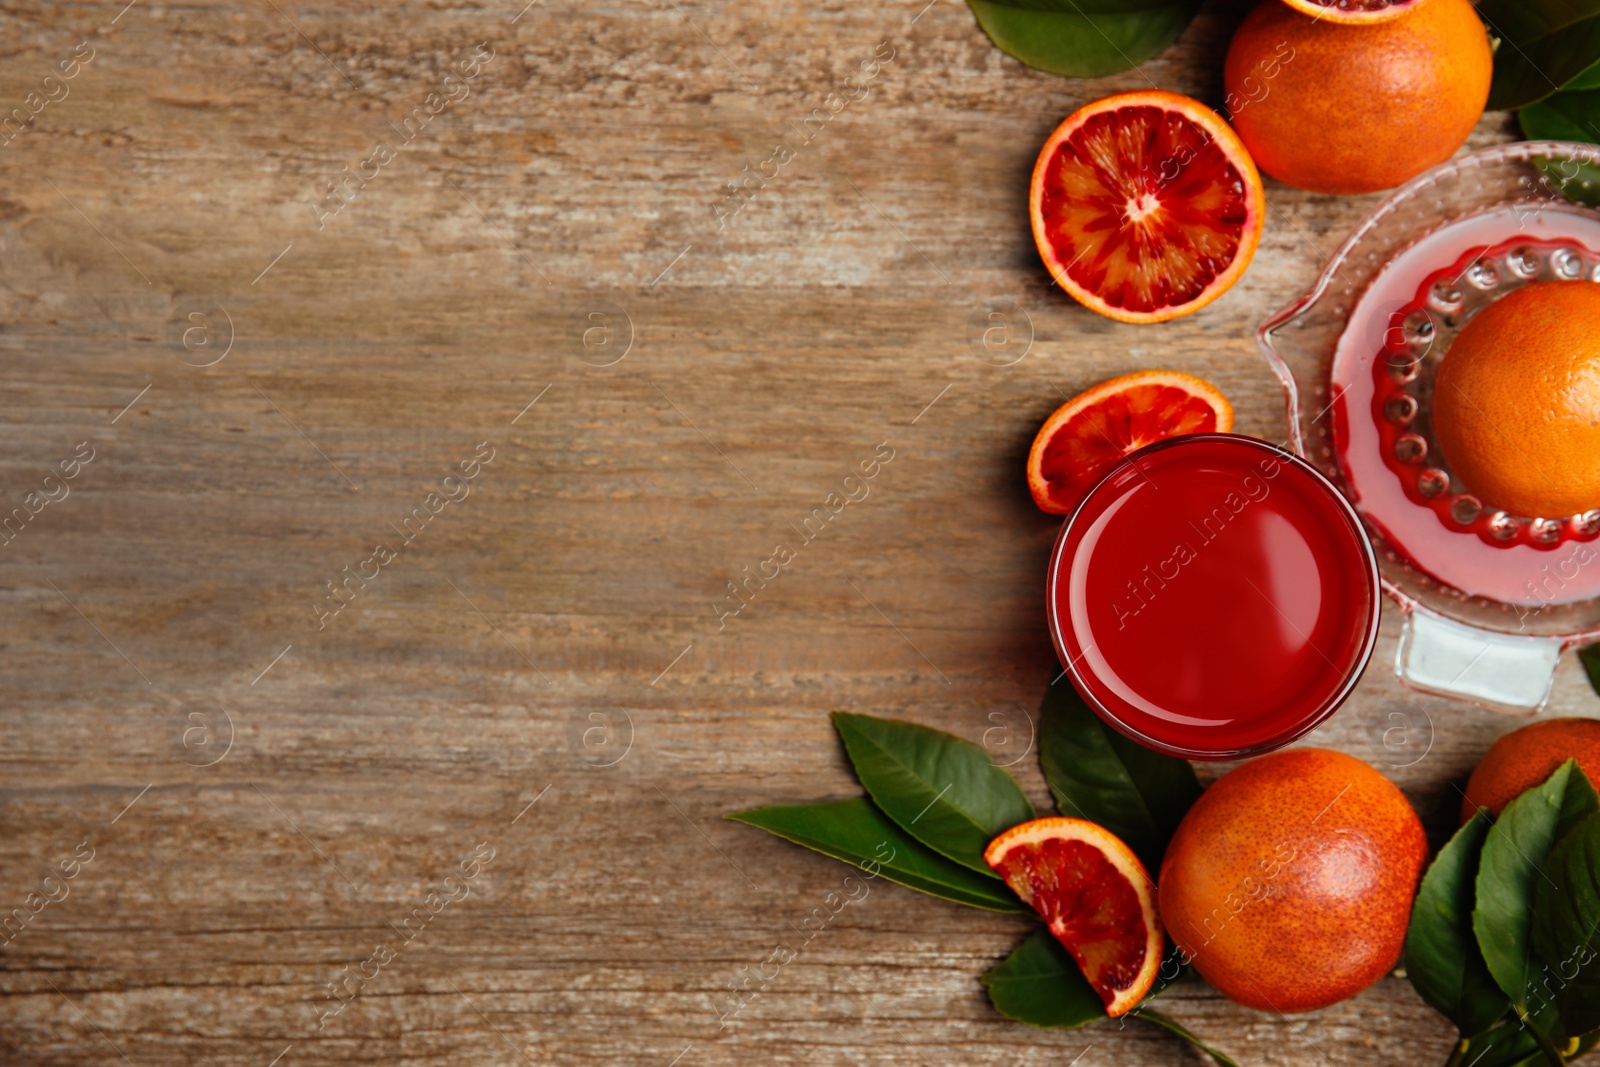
(1090, 433)
(1096, 897)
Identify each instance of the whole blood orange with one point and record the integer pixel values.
(1096, 897)
(1289, 883)
(1526, 757)
(1353, 12)
(1145, 206)
(1516, 404)
(1354, 108)
(1086, 436)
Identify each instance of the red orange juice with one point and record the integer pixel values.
(1213, 597)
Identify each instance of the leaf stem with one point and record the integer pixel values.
(1172, 1025)
(1548, 1047)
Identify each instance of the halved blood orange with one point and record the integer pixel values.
(1146, 206)
(1096, 897)
(1354, 12)
(1090, 433)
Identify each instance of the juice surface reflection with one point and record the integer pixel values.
(1214, 597)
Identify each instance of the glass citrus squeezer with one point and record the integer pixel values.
(1490, 599)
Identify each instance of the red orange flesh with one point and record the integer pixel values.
(1095, 896)
(1354, 12)
(1088, 434)
(1145, 206)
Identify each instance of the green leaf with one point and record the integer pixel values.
(1519, 21)
(1576, 180)
(1039, 984)
(1510, 868)
(1585, 1043)
(1566, 928)
(1182, 1031)
(1566, 116)
(1514, 1045)
(1097, 774)
(1083, 38)
(1441, 956)
(1590, 657)
(1544, 46)
(1502, 1046)
(1092, 7)
(856, 832)
(943, 791)
(1589, 79)
(1551, 1053)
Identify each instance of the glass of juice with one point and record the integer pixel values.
(1213, 597)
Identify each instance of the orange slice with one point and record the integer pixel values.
(1096, 897)
(1354, 12)
(1090, 433)
(1145, 206)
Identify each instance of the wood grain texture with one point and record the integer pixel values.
(551, 638)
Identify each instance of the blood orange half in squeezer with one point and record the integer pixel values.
(1145, 206)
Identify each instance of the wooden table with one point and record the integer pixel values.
(278, 340)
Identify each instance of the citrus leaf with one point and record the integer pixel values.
(1590, 658)
(1544, 45)
(1565, 116)
(1509, 869)
(1589, 79)
(1575, 180)
(1083, 38)
(1515, 1045)
(1182, 1031)
(1039, 984)
(943, 791)
(1097, 774)
(856, 832)
(1566, 927)
(1519, 21)
(1585, 1044)
(1506, 1045)
(1441, 955)
(1091, 7)
(1568, 116)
